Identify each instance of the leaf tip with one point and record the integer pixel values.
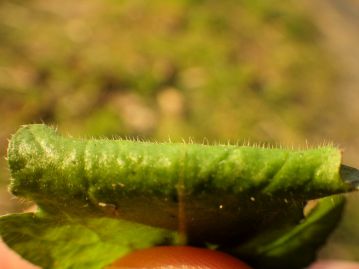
(350, 175)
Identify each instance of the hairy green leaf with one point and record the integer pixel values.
(224, 195)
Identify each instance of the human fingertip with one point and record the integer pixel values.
(334, 264)
(177, 257)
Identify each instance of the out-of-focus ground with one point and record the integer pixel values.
(252, 70)
(338, 21)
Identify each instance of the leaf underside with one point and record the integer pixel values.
(93, 243)
(95, 208)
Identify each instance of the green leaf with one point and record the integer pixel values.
(221, 195)
(93, 243)
(81, 243)
(295, 246)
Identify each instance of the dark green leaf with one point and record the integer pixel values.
(294, 247)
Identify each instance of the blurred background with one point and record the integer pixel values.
(279, 72)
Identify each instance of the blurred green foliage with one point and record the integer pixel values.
(237, 69)
(240, 70)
